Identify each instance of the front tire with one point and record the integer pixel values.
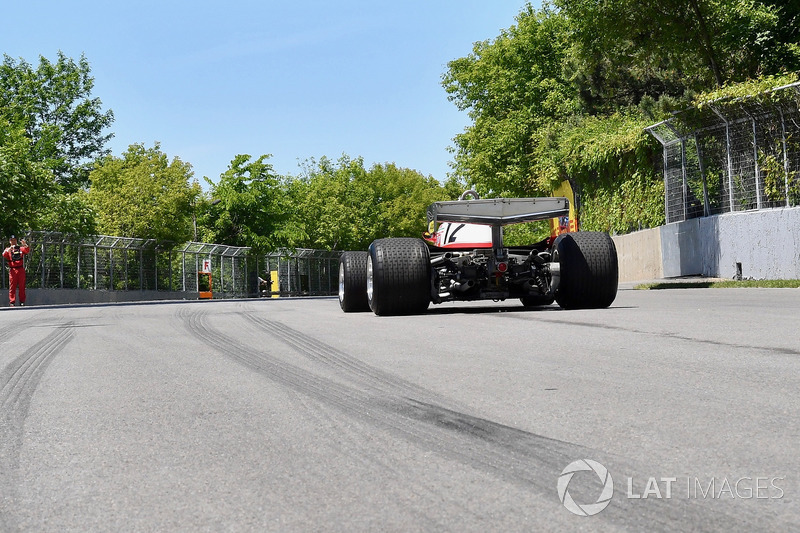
(398, 276)
(353, 282)
(589, 270)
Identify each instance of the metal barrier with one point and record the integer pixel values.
(59, 261)
(739, 156)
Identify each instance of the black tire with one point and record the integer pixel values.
(537, 300)
(353, 282)
(589, 270)
(399, 276)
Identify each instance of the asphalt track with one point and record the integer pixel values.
(289, 415)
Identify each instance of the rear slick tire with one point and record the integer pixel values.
(398, 276)
(589, 270)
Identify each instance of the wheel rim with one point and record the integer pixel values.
(341, 282)
(369, 279)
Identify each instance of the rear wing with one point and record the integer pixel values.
(498, 211)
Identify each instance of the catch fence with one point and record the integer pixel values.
(732, 155)
(60, 261)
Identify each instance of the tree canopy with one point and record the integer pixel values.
(143, 194)
(343, 205)
(24, 184)
(53, 103)
(564, 94)
(247, 207)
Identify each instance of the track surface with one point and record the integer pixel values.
(288, 415)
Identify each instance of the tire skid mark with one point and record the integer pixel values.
(9, 330)
(346, 365)
(517, 456)
(664, 334)
(18, 382)
(347, 439)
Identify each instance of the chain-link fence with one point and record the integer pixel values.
(59, 261)
(300, 272)
(732, 155)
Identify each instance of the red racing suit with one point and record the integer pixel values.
(16, 272)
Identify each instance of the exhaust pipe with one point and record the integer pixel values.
(441, 259)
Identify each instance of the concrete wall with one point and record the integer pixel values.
(639, 255)
(765, 243)
(680, 243)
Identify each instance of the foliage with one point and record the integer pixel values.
(68, 214)
(754, 88)
(566, 92)
(526, 233)
(142, 194)
(247, 207)
(511, 87)
(342, 205)
(624, 49)
(727, 284)
(64, 123)
(25, 186)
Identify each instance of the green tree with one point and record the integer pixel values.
(329, 204)
(25, 186)
(625, 50)
(566, 92)
(344, 206)
(143, 194)
(53, 103)
(511, 87)
(68, 213)
(247, 207)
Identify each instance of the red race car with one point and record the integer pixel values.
(462, 257)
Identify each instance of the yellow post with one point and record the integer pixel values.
(273, 284)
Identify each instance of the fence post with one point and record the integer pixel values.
(785, 157)
(95, 266)
(755, 163)
(728, 152)
(42, 263)
(78, 273)
(685, 180)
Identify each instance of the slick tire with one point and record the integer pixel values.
(353, 282)
(589, 270)
(398, 276)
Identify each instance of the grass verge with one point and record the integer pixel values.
(744, 284)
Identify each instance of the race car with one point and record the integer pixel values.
(462, 258)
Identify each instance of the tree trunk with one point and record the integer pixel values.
(705, 36)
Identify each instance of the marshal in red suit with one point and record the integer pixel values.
(14, 256)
